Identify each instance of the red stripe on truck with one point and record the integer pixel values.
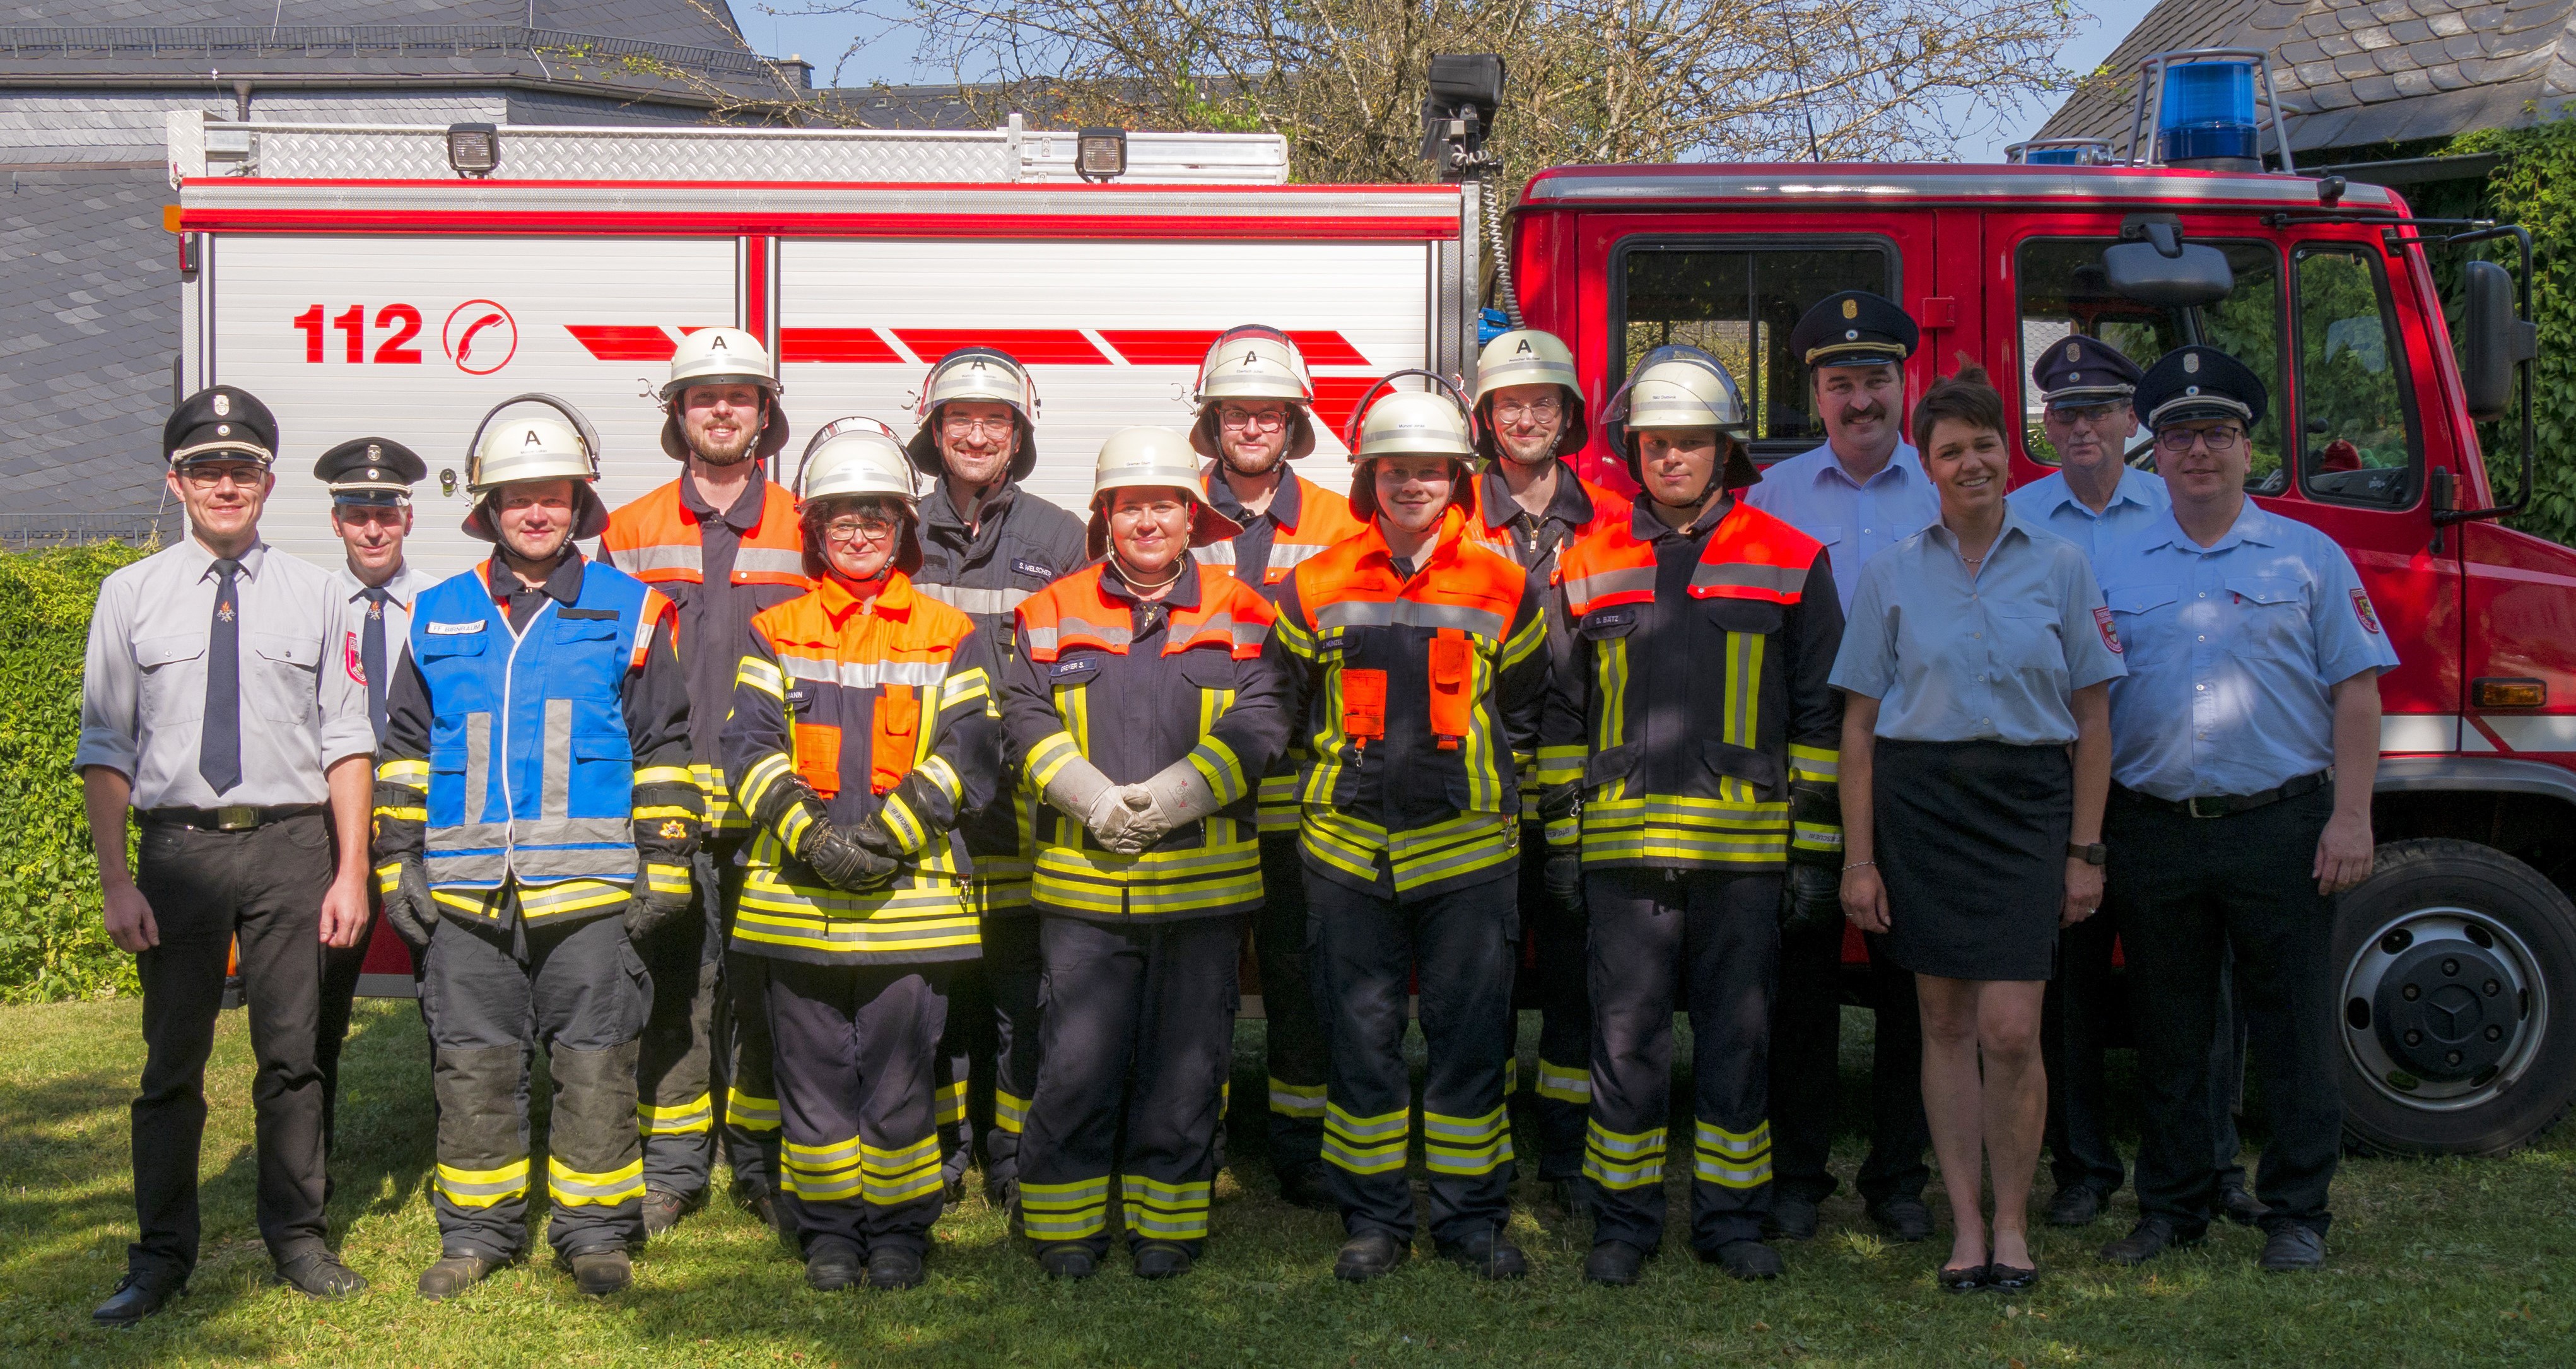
(1031, 346)
(834, 344)
(620, 342)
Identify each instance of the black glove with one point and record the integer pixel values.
(873, 835)
(843, 862)
(1813, 896)
(409, 907)
(1564, 876)
(648, 911)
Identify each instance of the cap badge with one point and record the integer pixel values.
(1851, 308)
(2073, 351)
(2191, 389)
(2191, 363)
(374, 451)
(223, 404)
(1851, 335)
(2075, 377)
(223, 430)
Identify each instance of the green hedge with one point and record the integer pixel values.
(2535, 185)
(51, 943)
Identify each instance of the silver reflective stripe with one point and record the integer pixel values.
(1601, 586)
(1408, 613)
(769, 561)
(1746, 575)
(1286, 554)
(555, 765)
(866, 674)
(1243, 634)
(684, 556)
(1040, 639)
(478, 764)
(975, 601)
(1220, 554)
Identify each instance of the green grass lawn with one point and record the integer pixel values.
(2449, 1262)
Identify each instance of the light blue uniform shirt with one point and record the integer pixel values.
(2232, 649)
(1855, 520)
(1996, 658)
(2139, 500)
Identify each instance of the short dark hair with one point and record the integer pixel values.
(1964, 396)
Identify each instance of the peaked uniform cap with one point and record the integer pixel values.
(2083, 370)
(2197, 382)
(220, 423)
(1854, 328)
(370, 470)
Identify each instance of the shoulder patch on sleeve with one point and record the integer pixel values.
(2110, 634)
(2361, 609)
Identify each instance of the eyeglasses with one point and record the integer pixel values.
(2220, 440)
(2086, 413)
(206, 477)
(1536, 411)
(1267, 420)
(959, 426)
(873, 527)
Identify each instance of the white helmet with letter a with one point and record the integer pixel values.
(1391, 422)
(1248, 364)
(1152, 458)
(722, 356)
(855, 458)
(530, 445)
(1528, 356)
(986, 375)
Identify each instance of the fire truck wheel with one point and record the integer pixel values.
(2457, 967)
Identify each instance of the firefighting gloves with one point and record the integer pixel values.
(1176, 796)
(1564, 876)
(843, 862)
(407, 903)
(1813, 896)
(1082, 793)
(653, 904)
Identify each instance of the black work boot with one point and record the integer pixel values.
(602, 1271)
(1489, 1254)
(1615, 1263)
(1746, 1260)
(455, 1272)
(1161, 1260)
(1370, 1255)
(833, 1265)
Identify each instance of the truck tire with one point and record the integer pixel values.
(2456, 970)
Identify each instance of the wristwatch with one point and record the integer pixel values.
(2094, 854)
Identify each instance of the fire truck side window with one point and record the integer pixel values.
(2357, 434)
(1738, 303)
(2062, 290)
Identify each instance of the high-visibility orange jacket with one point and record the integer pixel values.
(884, 707)
(1417, 696)
(1692, 707)
(1134, 686)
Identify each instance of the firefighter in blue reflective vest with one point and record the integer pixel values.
(534, 811)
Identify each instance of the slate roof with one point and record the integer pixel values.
(2356, 73)
(709, 25)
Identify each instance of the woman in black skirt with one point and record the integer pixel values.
(1976, 756)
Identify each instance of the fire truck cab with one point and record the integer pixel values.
(2457, 958)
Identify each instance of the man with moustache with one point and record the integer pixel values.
(207, 712)
(722, 542)
(1860, 492)
(370, 480)
(986, 545)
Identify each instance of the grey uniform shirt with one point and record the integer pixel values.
(402, 589)
(143, 690)
(1993, 658)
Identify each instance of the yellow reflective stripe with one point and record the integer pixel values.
(1010, 1112)
(964, 687)
(540, 902)
(1465, 1145)
(484, 904)
(952, 1103)
(570, 1187)
(750, 1112)
(908, 832)
(1558, 765)
(794, 824)
(758, 776)
(666, 879)
(944, 776)
(1296, 1100)
(1187, 879)
(483, 1187)
(1623, 1159)
(1364, 1145)
(763, 676)
(1732, 1159)
(1064, 1212)
(1169, 1212)
(389, 877)
(1221, 768)
(1049, 758)
(1809, 836)
(665, 774)
(1820, 764)
(679, 1119)
(402, 814)
(1519, 645)
(410, 774)
(660, 811)
(1564, 1083)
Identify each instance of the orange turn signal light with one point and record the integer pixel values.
(2495, 693)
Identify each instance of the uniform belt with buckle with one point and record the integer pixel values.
(2229, 805)
(239, 817)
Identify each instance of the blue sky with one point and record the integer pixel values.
(822, 39)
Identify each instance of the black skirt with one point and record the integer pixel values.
(1971, 842)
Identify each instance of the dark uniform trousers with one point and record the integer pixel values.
(992, 1045)
(855, 1046)
(340, 968)
(496, 995)
(1139, 1040)
(2187, 890)
(264, 886)
(740, 1075)
(1293, 1025)
(675, 1075)
(1806, 1069)
(1564, 1083)
(1367, 947)
(1706, 942)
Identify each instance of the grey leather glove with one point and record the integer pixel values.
(408, 906)
(1175, 797)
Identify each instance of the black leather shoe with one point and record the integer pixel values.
(2004, 1278)
(1574, 1194)
(1903, 1219)
(1615, 1263)
(2152, 1236)
(1065, 1260)
(2240, 1204)
(137, 1296)
(453, 1274)
(601, 1272)
(1792, 1218)
(1307, 1187)
(1488, 1254)
(893, 1271)
(1747, 1260)
(1161, 1260)
(2076, 1205)
(319, 1274)
(1968, 1280)
(833, 1266)
(1370, 1255)
(2290, 1249)
(662, 1210)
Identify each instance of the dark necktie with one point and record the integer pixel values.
(219, 750)
(371, 657)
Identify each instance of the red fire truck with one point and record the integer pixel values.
(361, 281)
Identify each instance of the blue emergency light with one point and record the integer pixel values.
(2208, 113)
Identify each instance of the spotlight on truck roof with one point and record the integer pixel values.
(2060, 152)
(1458, 112)
(1100, 154)
(473, 149)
